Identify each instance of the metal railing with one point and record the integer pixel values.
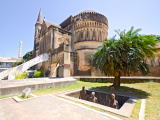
(5, 66)
(23, 67)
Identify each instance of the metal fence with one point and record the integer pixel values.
(5, 66)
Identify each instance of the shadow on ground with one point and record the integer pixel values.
(124, 91)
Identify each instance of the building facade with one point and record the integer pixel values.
(70, 44)
(5, 62)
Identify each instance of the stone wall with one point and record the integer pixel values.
(122, 80)
(61, 56)
(73, 63)
(57, 43)
(90, 31)
(96, 72)
(154, 72)
(16, 87)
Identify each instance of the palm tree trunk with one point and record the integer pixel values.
(116, 83)
(128, 73)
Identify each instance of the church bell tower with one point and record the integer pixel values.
(37, 33)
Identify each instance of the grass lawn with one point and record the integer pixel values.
(148, 90)
(22, 97)
(3, 97)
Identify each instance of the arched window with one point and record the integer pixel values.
(87, 33)
(94, 33)
(100, 37)
(81, 34)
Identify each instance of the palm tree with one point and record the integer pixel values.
(123, 55)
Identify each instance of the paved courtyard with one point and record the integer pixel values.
(46, 108)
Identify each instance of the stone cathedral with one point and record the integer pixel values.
(70, 44)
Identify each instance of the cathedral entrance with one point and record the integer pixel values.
(54, 70)
(57, 72)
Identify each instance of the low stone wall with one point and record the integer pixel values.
(13, 87)
(122, 80)
(154, 72)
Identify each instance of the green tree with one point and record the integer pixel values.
(28, 56)
(157, 37)
(127, 54)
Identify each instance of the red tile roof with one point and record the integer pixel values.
(9, 58)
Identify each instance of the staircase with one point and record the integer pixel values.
(23, 67)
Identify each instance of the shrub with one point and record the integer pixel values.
(38, 74)
(20, 75)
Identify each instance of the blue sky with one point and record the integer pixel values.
(18, 18)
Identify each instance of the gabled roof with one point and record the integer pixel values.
(49, 23)
(66, 22)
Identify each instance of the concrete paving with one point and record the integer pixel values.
(142, 109)
(10, 87)
(46, 108)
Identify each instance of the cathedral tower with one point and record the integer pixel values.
(37, 32)
(89, 29)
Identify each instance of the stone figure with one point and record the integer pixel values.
(113, 92)
(93, 98)
(86, 97)
(82, 93)
(113, 102)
